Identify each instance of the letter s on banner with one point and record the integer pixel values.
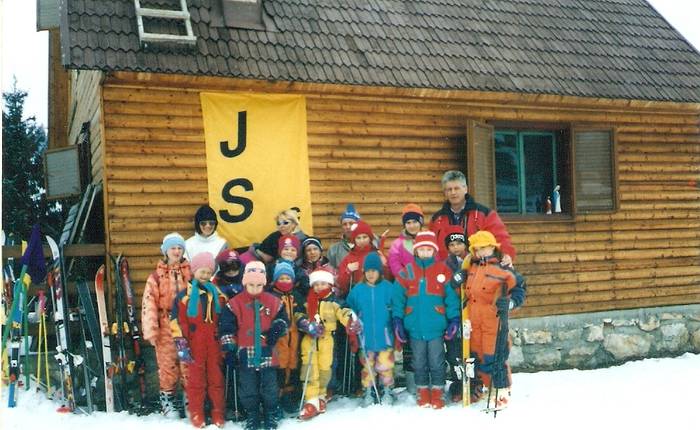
(231, 198)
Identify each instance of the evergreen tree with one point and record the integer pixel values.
(23, 195)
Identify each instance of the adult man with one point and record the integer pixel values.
(461, 209)
(339, 250)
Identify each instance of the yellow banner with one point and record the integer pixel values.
(257, 162)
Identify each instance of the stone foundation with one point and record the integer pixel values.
(601, 339)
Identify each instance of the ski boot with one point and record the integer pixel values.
(367, 398)
(218, 418)
(436, 399)
(455, 392)
(167, 405)
(321, 406)
(197, 420)
(423, 397)
(310, 410)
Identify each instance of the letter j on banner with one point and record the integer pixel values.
(257, 162)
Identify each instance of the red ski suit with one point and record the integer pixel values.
(204, 375)
(347, 279)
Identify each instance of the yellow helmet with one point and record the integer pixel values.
(482, 239)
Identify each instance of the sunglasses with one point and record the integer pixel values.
(255, 269)
(204, 223)
(283, 223)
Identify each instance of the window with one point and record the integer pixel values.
(526, 171)
(523, 168)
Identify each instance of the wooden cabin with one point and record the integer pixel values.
(601, 98)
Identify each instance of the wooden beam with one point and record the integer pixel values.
(75, 250)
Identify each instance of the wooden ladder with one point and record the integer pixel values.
(182, 14)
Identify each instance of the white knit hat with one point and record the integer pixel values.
(321, 276)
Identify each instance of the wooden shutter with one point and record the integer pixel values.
(481, 163)
(594, 172)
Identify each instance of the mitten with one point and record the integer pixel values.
(504, 304)
(399, 330)
(458, 278)
(355, 326)
(314, 329)
(183, 350)
(452, 327)
(354, 342)
(276, 331)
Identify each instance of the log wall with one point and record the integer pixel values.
(84, 106)
(381, 148)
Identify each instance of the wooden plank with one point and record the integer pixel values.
(73, 250)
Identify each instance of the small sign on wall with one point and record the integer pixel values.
(62, 173)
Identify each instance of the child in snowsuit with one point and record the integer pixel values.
(250, 326)
(371, 302)
(401, 251)
(288, 345)
(428, 307)
(288, 250)
(312, 256)
(456, 246)
(194, 322)
(228, 277)
(318, 319)
(171, 276)
(350, 270)
(491, 290)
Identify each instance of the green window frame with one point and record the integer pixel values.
(527, 203)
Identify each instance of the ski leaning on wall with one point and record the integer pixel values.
(108, 365)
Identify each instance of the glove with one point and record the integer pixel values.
(354, 342)
(458, 278)
(452, 328)
(504, 304)
(276, 331)
(313, 328)
(355, 326)
(399, 331)
(183, 350)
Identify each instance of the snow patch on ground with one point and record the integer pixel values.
(647, 394)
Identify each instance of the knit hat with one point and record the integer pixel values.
(228, 259)
(372, 262)
(203, 259)
(283, 268)
(171, 240)
(350, 213)
(482, 239)
(311, 241)
(204, 213)
(287, 240)
(254, 273)
(412, 212)
(321, 275)
(453, 233)
(425, 238)
(359, 228)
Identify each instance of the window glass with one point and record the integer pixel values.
(539, 164)
(507, 166)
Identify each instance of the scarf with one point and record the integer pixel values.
(257, 328)
(313, 299)
(212, 296)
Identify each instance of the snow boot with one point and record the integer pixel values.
(367, 398)
(217, 418)
(387, 397)
(197, 420)
(167, 405)
(310, 410)
(455, 392)
(423, 396)
(252, 421)
(272, 418)
(436, 399)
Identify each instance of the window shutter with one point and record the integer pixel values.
(594, 175)
(481, 164)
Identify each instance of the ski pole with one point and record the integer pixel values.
(235, 394)
(368, 366)
(308, 372)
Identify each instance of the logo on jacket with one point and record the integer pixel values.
(441, 278)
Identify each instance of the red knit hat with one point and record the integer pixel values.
(359, 228)
(425, 238)
(288, 240)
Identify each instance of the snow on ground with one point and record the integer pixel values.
(647, 394)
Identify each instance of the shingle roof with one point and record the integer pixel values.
(593, 48)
